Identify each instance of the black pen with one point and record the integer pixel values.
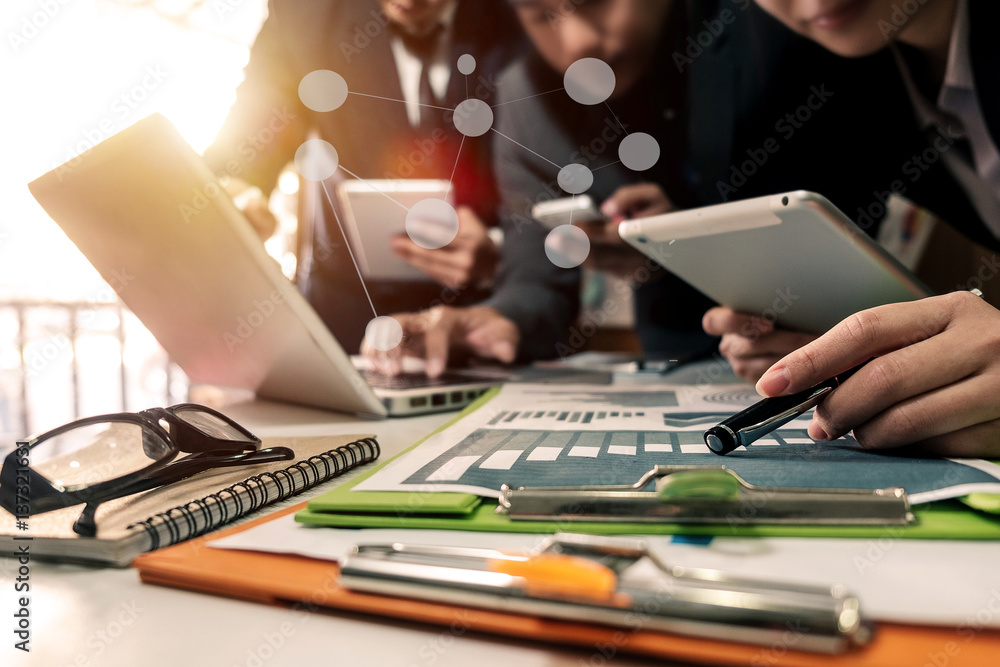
(769, 414)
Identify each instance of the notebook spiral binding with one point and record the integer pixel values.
(197, 516)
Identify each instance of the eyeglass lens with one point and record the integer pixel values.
(96, 453)
(209, 424)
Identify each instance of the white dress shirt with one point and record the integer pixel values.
(409, 67)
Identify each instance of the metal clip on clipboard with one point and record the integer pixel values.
(576, 577)
(706, 495)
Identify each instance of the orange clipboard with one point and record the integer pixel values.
(309, 584)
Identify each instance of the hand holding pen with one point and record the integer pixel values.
(933, 378)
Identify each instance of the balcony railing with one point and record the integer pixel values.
(63, 360)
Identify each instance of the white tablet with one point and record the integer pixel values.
(793, 258)
(374, 212)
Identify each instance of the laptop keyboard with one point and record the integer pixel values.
(418, 380)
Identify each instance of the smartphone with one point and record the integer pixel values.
(579, 210)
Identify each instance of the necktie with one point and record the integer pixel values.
(424, 47)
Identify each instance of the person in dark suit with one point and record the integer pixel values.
(530, 313)
(383, 49)
(715, 82)
(936, 373)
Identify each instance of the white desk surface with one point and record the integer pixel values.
(85, 616)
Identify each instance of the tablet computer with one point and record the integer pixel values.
(375, 211)
(791, 258)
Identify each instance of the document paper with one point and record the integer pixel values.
(564, 435)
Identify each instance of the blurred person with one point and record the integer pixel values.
(936, 373)
(396, 49)
(709, 107)
(535, 301)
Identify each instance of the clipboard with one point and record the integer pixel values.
(579, 577)
(312, 585)
(343, 507)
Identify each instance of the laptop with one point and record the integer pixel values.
(154, 220)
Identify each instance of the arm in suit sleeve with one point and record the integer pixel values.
(539, 297)
(268, 122)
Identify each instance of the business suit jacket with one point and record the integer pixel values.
(372, 136)
(539, 297)
(985, 50)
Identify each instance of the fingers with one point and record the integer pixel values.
(260, 216)
(775, 344)
(386, 362)
(491, 335)
(750, 357)
(437, 325)
(858, 338)
(935, 419)
(722, 320)
(892, 380)
(751, 344)
(749, 369)
(448, 267)
(469, 224)
(636, 201)
(981, 441)
(436, 332)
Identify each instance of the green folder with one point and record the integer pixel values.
(971, 518)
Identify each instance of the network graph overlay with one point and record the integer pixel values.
(588, 81)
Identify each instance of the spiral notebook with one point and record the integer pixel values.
(146, 521)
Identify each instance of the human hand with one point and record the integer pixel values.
(470, 258)
(641, 200)
(252, 202)
(934, 381)
(436, 333)
(609, 254)
(750, 344)
(259, 214)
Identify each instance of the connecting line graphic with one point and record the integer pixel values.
(525, 148)
(521, 99)
(604, 166)
(458, 156)
(588, 81)
(384, 194)
(612, 112)
(389, 99)
(492, 106)
(357, 268)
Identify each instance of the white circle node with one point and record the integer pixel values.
(567, 246)
(639, 151)
(466, 64)
(316, 160)
(589, 81)
(384, 333)
(473, 118)
(322, 90)
(575, 179)
(432, 223)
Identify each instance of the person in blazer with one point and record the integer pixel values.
(378, 47)
(720, 81)
(935, 376)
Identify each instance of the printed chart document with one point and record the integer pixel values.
(532, 435)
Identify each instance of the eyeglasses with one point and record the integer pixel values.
(96, 459)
